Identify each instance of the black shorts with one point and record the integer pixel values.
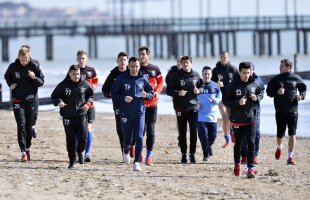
(91, 115)
(286, 119)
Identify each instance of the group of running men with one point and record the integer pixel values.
(135, 85)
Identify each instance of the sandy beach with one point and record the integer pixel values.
(46, 176)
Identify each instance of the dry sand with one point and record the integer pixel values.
(106, 177)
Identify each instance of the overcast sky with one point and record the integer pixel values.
(190, 8)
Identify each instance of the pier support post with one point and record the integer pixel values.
(5, 48)
(234, 43)
(261, 43)
(204, 45)
(305, 42)
(279, 42)
(220, 43)
(227, 41)
(297, 42)
(212, 44)
(49, 47)
(197, 45)
(254, 44)
(189, 44)
(269, 43)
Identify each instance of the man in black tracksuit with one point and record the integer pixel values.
(183, 87)
(174, 69)
(122, 62)
(223, 74)
(283, 88)
(74, 96)
(24, 77)
(242, 98)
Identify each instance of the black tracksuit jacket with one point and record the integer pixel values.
(286, 103)
(27, 88)
(184, 81)
(75, 95)
(237, 89)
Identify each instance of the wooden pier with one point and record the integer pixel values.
(176, 36)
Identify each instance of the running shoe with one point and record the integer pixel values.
(226, 145)
(205, 158)
(28, 155)
(255, 160)
(71, 165)
(126, 158)
(81, 158)
(87, 158)
(34, 132)
(210, 152)
(244, 160)
(24, 158)
(251, 173)
(149, 161)
(136, 166)
(184, 159)
(237, 170)
(278, 154)
(132, 151)
(291, 161)
(141, 158)
(192, 158)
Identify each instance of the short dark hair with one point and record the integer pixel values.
(74, 68)
(147, 49)
(287, 63)
(122, 54)
(206, 68)
(186, 58)
(25, 46)
(244, 65)
(133, 59)
(224, 52)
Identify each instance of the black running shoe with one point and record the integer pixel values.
(71, 165)
(87, 158)
(34, 132)
(81, 158)
(184, 159)
(205, 158)
(192, 158)
(210, 152)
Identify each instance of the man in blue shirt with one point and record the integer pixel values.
(209, 97)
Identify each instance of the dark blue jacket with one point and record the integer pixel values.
(262, 87)
(127, 85)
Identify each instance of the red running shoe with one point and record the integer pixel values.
(149, 161)
(278, 154)
(251, 173)
(255, 160)
(132, 151)
(24, 158)
(226, 145)
(244, 160)
(28, 155)
(237, 170)
(291, 161)
(232, 136)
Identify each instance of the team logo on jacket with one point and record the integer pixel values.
(153, 73)
(83, 89)
(140, 85)
(17, 75)
(194, 82)
(127, 86)
(220, 76)
(252, 90)
(83, 75)
(124, 120)
(146, 75)
(89, 74)
(182, 82)
(230, 76)
(238, 92)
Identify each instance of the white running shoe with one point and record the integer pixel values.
(126, 158)
(136, 166)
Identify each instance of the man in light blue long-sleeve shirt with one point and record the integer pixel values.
(209, 97)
